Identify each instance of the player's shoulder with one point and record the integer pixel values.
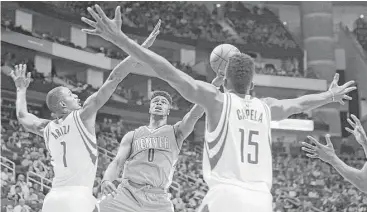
(128, 137)
(269, 101)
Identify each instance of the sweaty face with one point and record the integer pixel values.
(70, 100)
(159, 106)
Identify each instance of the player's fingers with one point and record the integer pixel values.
(312, 155)
(313, 140)
(336, 79)
(346, 97)
(349, 130)
(312, 151)
(89, 22)
(29, 79)
(118, 13)
(347, 84)
(156, 33)
(328, 140)
(341, 102)
(111, 188)
(157, 26)
(12, 75)
(23, 69)
(29, 75)
(351, 123)
(100, 12)
(356, 120)
(90, 31)
(106, 191)
(17, 72)
(347, 90)
(310, 146)
(93, 14)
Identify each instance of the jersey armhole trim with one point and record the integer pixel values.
(132, 141)
(82, 126)
(176, 140)
(46, 136)
(217, 131)
(268, 114)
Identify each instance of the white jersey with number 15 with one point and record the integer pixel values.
(73, 151)
(238, 151)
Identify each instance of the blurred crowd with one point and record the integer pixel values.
(360, 31)
(262, 27)
(300, 184)
(258, 25)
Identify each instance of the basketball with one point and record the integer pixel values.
(220, 56)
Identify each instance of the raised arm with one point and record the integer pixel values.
(198, 92)
(186, 126)
(116, 166)
(99, 98)
(327, 154)
(282, 109)
(29, 121)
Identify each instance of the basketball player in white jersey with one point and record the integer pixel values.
(70, 138)
(238, 160)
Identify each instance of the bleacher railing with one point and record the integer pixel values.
(106, 152)
(198, 150)
(5, 160)
(42, 181)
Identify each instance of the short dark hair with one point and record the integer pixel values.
(53, 99)
(163, 94)
(240, 71)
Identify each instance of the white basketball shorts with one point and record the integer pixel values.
(235, 199)
(70, 199)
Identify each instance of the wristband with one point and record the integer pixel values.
(332, 96)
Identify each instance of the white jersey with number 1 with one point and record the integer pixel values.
(73, 151)
(237, 157)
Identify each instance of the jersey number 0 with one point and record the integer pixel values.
(252, 159)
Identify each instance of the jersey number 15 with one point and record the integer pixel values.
(251, 158)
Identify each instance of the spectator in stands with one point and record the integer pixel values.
(21, 207)
(9, 208)
(32, 196)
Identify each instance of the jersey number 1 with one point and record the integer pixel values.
(64, 153)
(250, 143)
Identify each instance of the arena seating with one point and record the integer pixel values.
(260, 29)
(257, 25)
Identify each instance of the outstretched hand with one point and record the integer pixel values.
(340, 92)
(324, 152)
(103, 26)
(20, 78)
(357, 131)
(153, 35)
(110, 28)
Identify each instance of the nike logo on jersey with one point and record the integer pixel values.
(63, 130)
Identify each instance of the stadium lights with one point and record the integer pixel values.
(218, 5)
(361, 16)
